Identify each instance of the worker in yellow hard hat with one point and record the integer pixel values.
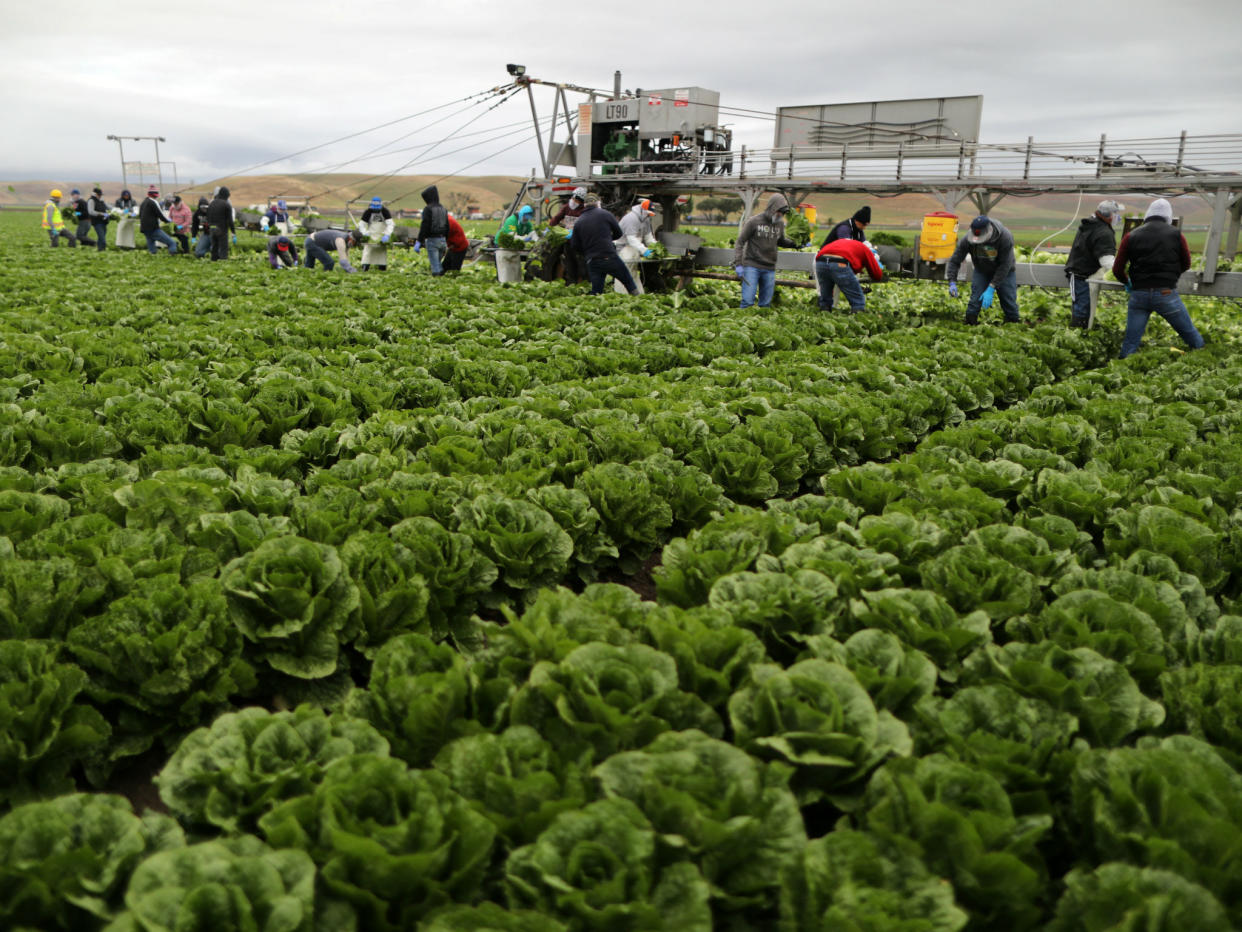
(53, 222)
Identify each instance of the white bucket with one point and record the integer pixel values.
(508, 265)
(125, 232)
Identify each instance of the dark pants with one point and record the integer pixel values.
(829, 274)
(316, 253)
(63, 234)
(184, 241)
(1080, 301)
(600, 269)
(84, 233)
(452, 261)
(101, 234)
(219, 245)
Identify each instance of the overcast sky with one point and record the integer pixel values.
(230, 84)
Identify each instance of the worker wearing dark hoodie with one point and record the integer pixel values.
(754, 256)
(433, 231)
(220, 219)
(1093, 252)
(854, 228)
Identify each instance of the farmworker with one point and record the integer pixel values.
(990, 245)
(433, 230)
(53, 222)
(838, 264)
(754, 255)
(220, 220)
(376, 225)
(1157, 254)
(126, 202)
(80, 214)
(318, 244)
(519, 224)
(150, 216)
(636, 240)
(595, 233)
(458, 246)
(277, 216)
(854, 228)
(97, 211)
(281, 253)
(182, 217)
(200, 229)
(1094, 249)
(571, 259)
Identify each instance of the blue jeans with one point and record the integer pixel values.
(1168, 304)
(762, 281)
(316, 253)
(1080, 301)
(202, 245)
(1006, 293)
(600, 269)
(101, 234)
(159, 236)
(839, 274)
(437, 246)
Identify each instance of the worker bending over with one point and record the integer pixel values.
(458, 245)
(281, 253)
(838, 264)
(318, 244)
(150, 216)
(990, 246)
(754, 255)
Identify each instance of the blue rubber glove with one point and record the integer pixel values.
(384, 238)
(952, 289)
(193, 240)
(418, 246)
(1129, 286)
(569, 235)
(55, 235)
(234, 239)
(989, 294)
(647, 254)
(738, 270)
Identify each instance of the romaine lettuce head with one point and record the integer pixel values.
(394, 843)
(733, 814)
(1117, 897)
(228, 774)
(597, 868)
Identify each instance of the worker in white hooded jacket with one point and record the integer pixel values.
(636, 241)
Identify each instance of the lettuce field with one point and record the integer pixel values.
(381, 602)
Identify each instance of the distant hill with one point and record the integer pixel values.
(494, 192)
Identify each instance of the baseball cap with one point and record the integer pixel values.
(980, 229)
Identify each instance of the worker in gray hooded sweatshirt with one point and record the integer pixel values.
(754, 255)
(990, 245)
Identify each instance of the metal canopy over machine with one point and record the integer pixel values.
(670, 142)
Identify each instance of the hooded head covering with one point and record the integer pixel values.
(126, 193)
(1160, 208)
(202, 200)
(579, 193)
(525, 210)
(98, 191)
(223, 193)
(862, 215)
(282, 244)
(981, 229)
(281, 204)
(431, 195)
(777, 204)
(376, 203)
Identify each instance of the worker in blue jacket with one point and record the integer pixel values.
(990, 246)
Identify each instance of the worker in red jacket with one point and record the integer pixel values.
(458, 246)
(838, 263)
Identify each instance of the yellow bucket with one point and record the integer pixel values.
(809, 211)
